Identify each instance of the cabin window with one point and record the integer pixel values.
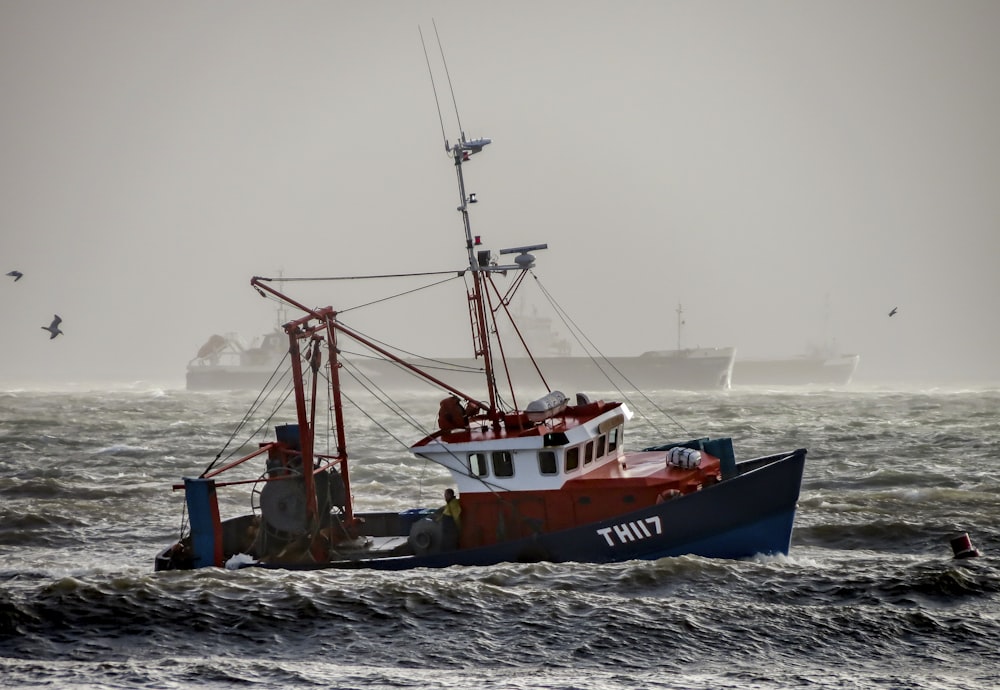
(477, 465)
(503, 464)
(588, 454)
(547, 462)
(572, 458)
(555, 438)
(614, 438)
(602, 442)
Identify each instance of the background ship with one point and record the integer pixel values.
(690, 369)
(224, 362)
(229, 365)
(801, 370)
(820, 365)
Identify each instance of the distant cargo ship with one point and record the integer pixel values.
(802, 370)
(231, 366)
(822, 364)
(224, 363)
(688, 369)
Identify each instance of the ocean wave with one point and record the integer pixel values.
(631, 616)
(869, 589)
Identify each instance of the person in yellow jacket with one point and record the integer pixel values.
(450, 517)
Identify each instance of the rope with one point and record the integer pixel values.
(365, 277)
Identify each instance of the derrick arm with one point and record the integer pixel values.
(328, 315)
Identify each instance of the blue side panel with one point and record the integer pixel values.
(770, 536)
(206, 530)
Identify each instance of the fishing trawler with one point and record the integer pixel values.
(551, 479)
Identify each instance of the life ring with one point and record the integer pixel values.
(666, 495)
(425, 537)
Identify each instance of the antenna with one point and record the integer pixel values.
(447, 74)
(433, 86)
(680, 324)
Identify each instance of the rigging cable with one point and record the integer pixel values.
(399, 294)
(437, 102)
(453, 275)
(362, 277)
(577, 333)
(448, 75)
(396, 409)
(265, 393)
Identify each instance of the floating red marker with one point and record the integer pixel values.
(962, 546)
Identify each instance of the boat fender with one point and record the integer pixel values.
(684, 458)
(425, 537)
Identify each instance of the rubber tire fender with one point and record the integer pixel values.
(425, 537)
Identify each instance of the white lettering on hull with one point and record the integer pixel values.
(625, 532)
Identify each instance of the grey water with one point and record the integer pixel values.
(868, 597)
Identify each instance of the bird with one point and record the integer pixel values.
(53, 327)
(893, 312)
(16, 274)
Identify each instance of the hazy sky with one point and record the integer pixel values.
(755, 161)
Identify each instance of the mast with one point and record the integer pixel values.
(479, 260)
(481, 265)
(461, 152)
(302, 328)
(305, 419)
(338, 416)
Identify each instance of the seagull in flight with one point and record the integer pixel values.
(893, 312)
(53, 327)
(16, 275)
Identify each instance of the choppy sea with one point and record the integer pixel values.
(868, 597)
